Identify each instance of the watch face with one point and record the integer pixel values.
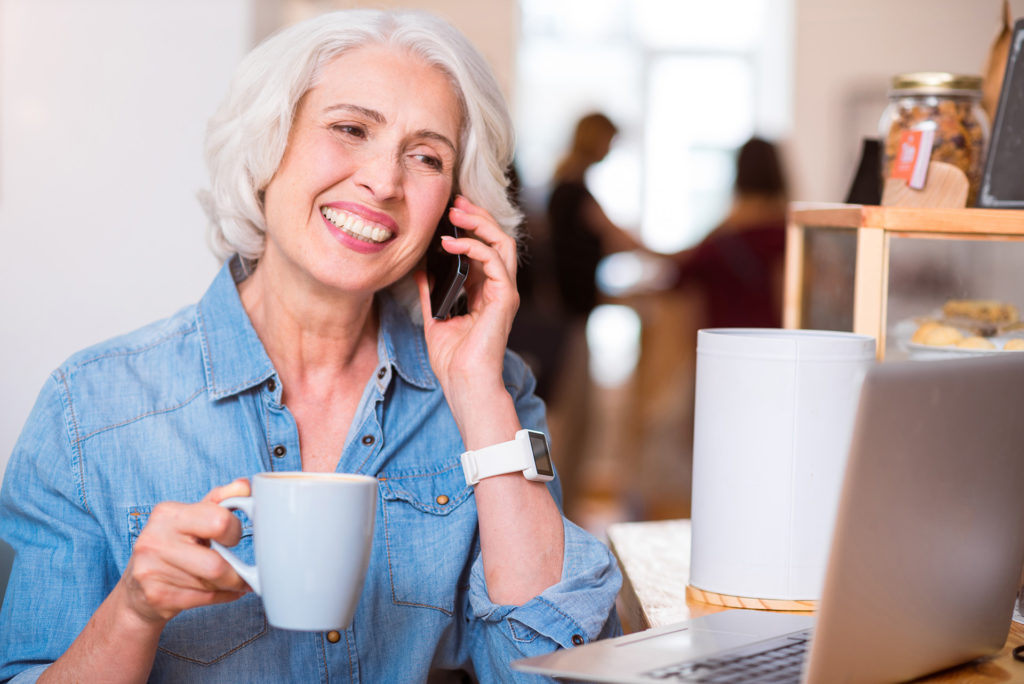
(541, 457)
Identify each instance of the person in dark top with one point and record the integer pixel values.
(739, 265)
(577, 247)
(581, 233)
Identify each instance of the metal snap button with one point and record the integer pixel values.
(271, 385)
(368, 440)
(333, 636)
(382, 372)
(577, 640)
(280, 451)
(441, 499)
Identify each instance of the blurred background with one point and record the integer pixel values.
(103, 107)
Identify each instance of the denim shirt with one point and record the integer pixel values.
(192, 402)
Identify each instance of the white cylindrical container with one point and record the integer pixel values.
(773, 418)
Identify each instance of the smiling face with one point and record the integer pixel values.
(366, 174)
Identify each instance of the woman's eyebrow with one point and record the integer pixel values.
(371, 114)
(433, 135)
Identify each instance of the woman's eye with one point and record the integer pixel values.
(430, 161)
(349, 130)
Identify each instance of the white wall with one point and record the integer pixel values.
(846, 53)
(491, 25)
(103, 105)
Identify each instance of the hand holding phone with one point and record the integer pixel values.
(446, 271)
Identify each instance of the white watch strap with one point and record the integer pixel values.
(497, 459)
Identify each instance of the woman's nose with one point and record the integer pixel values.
(381, 174)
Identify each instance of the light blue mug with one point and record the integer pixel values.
(312, 534)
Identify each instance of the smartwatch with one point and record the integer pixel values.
(528, 453)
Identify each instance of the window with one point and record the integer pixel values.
(686, 82)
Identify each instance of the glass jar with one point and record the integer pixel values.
(949, 105)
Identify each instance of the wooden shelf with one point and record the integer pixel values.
(873, 228)
(984, 222)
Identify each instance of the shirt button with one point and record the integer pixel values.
(368, 440)
(577, 640)
(441, 500)
(382, 372)
(333, 636)
(271, 385)
(280, 451)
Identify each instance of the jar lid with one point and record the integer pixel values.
(936, 82)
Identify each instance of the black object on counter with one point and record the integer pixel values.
(1002, 183)
(867, 184)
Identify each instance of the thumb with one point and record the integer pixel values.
(239, 487)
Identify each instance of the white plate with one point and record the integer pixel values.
(949, 351)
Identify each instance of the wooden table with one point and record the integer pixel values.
(655, 562)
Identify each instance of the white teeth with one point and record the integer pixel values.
(355, 226)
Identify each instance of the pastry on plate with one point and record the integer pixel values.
(936, 334)
(922, 331)
(982, 310)
(975, 342)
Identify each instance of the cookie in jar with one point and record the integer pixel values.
(947, 109)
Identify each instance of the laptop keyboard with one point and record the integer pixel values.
(778, 661)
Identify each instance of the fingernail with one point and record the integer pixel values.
(446, 238)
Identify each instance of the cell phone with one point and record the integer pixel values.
(446, 271)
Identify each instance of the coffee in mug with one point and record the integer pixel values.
(312, 534)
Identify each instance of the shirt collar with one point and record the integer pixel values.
(234, 358)
(401, 343)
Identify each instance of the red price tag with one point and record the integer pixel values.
(906, 155)
(912, 157)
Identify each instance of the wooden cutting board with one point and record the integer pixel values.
(945, 187)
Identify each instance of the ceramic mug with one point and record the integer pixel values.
(312, 534)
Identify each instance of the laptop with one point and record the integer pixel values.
(926, 553)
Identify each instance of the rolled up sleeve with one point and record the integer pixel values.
(578, 607)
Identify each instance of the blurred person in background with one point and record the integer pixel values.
(738, 266)
(731, 278)
(581, 234)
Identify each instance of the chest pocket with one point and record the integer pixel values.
(430, 529)
(208, 634)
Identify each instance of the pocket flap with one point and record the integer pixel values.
(438, 491)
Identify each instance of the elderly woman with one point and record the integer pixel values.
(340, 145)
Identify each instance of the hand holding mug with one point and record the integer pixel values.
(169, 571)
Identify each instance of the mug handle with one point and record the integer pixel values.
(245, 571)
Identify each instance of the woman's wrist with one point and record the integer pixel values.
(484, 416)
(124, 616)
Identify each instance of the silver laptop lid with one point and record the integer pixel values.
(928, 543)
(929, 537)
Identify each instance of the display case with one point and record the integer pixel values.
(887, 271)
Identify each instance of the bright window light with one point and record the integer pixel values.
(613, 337)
